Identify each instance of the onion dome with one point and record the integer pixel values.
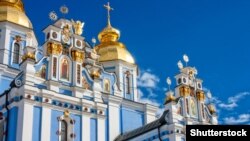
(110, 48)
(13, 11)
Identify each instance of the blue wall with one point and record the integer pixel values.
(12, 124)
(54, 124)
(37, 116)
(93, 130)
(130, 119)
(77, 127)
(5, 82)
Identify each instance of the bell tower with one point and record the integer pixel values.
(115, 58)
(16, 32)
(188, 98)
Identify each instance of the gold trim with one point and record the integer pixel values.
(66, 113)
(95, 74)
(53, 48)
(29, 55)
(184, 91)
(211, 108)
(170, 97)
(200, 95)
(77, 56)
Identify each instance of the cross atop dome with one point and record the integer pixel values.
(109, 8)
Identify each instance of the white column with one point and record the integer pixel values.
(85, 127)
(27, 123)
(114, 121)
(101, 129)
(46, 124)
(150, 113)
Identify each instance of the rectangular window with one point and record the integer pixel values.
(202, 109)
(187, 106)
(1, 130)
(54, 66)
(78, 72)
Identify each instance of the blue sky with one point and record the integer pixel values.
(214, 33)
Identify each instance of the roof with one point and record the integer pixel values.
(146, 128)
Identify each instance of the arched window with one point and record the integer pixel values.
(193, 107)
(127, 79)
(16, 52)
(63, 130)
(43, 72)
(65, 69)
(106, 85)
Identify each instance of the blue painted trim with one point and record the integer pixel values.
(12, 124)
(88, 98)
(107, 125)
(39, 86)
(93, 129)
(121, 122)
(36, 129)
(65, 92)
(109, 68)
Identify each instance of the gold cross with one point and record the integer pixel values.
(108, 10)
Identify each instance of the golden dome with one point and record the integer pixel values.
(13, 11)
(114, 51)
(109, 34)
(110, 48)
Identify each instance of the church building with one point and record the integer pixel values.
(65, 89)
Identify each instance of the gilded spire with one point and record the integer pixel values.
(109, 8)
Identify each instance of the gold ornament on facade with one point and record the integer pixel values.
(53, 48)
(29, 55)
(211, 108)
(66, 30)
(184, 90)
(170, 97)
(18, 38)
(95, 74)
(200, 95)
(77, 56)
(66, 113)
(191, 74)
(78, 27)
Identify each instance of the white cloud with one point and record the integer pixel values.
(232, 101)
(148, 80)
(241, 119)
